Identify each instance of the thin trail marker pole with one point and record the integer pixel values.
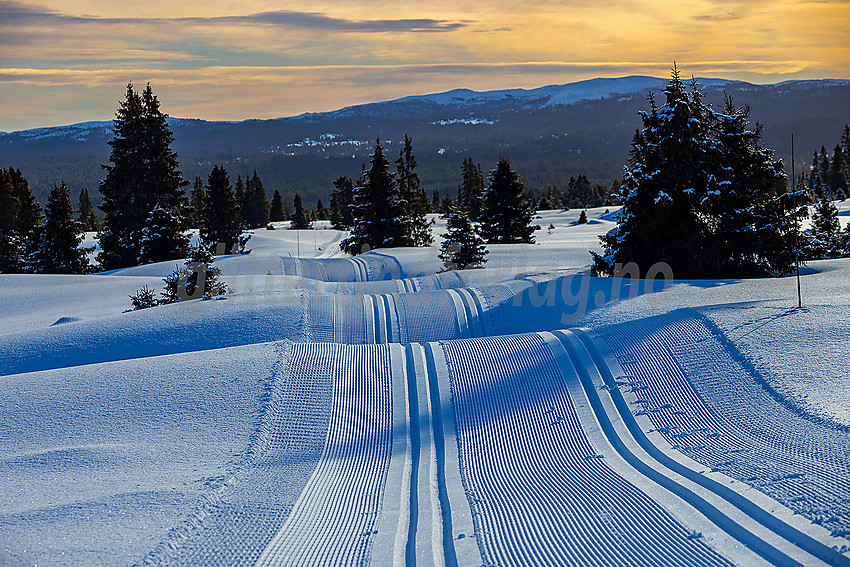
(796, 239)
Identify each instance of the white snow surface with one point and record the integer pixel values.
(376, 410)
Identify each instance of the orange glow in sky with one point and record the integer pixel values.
(65, 61)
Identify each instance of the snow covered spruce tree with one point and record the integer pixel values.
(414, 199)
(182, 284)
(824, 239)
(220, 221)
(144, 172)
(462, 246)
(20, 217)
(163, 237)
(376, 210)
(58, 243)
(506, 215)
(300, 219)
(699, 194)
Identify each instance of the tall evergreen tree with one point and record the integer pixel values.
(198, 196)
(344, 192)
(276, 212)
(845, 149)
(9, 206)
(241, 199)
(471, 191)
(506, 216)
(462, 246)
(414, 199)
(837, 179)
(58, 250)
(321, 211)
(256, 203)
(221, 221)
(163, 237)
(86, 216)
(300, 218)
(144, 172)
(377, 211)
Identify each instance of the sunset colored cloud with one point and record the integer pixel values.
(68, 61)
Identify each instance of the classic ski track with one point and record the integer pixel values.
(586, 503)
(794, 543)
(714, 439)
(334, 518)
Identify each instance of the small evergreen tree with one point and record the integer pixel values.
(162, 238)
(582, 218)
(462, 246)
(221, 221)
(182, 283)
(300, 220)
(506, 217)
(377, 211)
(276, 212)
(58, 249)
(87, 218)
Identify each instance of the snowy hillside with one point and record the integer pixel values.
(375, 410)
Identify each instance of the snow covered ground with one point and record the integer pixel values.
(336, 410)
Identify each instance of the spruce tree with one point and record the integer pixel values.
(471, 191)
(335, 212)
(256, 203)
(198, 196)
(413, 199)
(86, 216)
(740, 198)
(837, 180)
(10, 253)
(665, 185)
(344, 190)
(845, 149)
(276, 212)
(321, 211)
(824, 239)
(221, 221)
(58, 246)
(462, 246)
(300, 219)
(377, 211)
(163, 237)
(700, 193)
(506, 216)
(582, 218)
(143, 172)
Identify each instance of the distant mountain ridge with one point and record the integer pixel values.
(550, 133)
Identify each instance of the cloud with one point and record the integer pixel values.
(14, 13)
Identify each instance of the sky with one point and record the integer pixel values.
(68, 61)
